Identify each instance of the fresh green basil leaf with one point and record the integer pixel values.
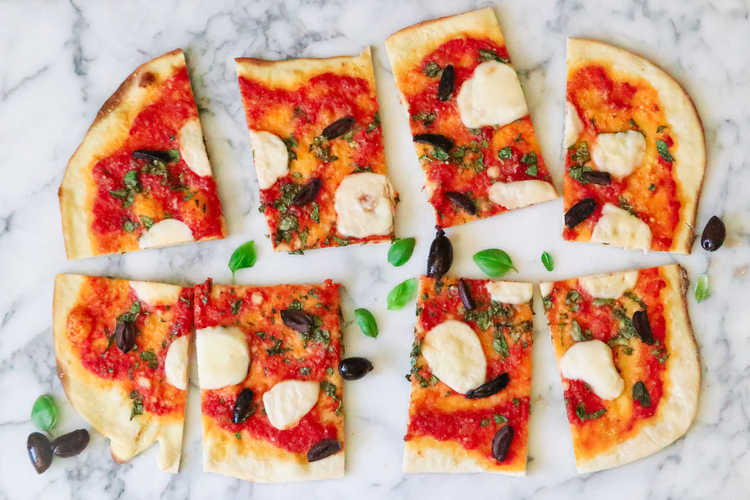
(702, 288)
(640, 394)
(400, 251)
(366, 322)
(494, 262)
(243, 257)
(663, 149)
(401, 294)
(549, 264)
(44, 413)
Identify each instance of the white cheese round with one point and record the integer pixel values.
(156, 294)
(509, 292)
(176, 362)
(364, 205)
(492, 96)
(454, 354)
(223, 356)
(573, 125)
(192, 147)
(610, 285)
(270, 156)
(618, 227)
(288, 401)
(521, 193)
(619, 153)
(591, 362)
(166, 232)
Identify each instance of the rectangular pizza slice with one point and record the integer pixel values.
(271, 392)
(122, 353)
(318, 150)
(628, 362)
(470, 377)
(469, 118)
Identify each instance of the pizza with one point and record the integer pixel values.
(635, 152)
(141, 177)
(318, 151)
(628, 362)
(468, 115)
(470, 377)
(271, 392)
(122, 353)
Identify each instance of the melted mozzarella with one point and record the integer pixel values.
(492, 96)
(192, 147)
(619, 153)
(288, 401)
(270, 156)
(176, 362)
(223, 356)
(364, 205)
(166, 232)
(573, 125)
(155, 294)
(618, 227)
(545, 287)
(521, 193)
(454, 354)
(608, 286)
(591, 361)
(509, 292)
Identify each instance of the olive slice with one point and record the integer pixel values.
(643, 327)
(354, 368)
(445, 88)
(440, 257)
(338, 128)
(125, 334)
(308, 193)
(71, 444)
(40, 451)
(465, 293)
(597, 177)
(243, 406)
(490, 388)
(323, 449)
(501, 442)
(152, 155)
(713, 234)
(462, 201)
(435, 140)
(297, 320)
(579, 212)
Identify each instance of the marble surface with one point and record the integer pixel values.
(61, 60)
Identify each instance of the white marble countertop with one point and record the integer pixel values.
(61, 60)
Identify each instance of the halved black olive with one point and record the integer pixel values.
(243, 406)
(445, 88)
(40, 451)
(71, 444)
(297, 320)
(501, 442)
(490, 388)
(579, 212)
(462, 201)
(643, 327)
(465, 293)
(354, 368)
(597, 177)
(323, 449)
(308, 193)
(125, 333)
(440, 257)
(152, 155)
(713, 234)
(436, 140)
(338, 128)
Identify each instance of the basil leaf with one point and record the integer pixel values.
(499, 344)
(432, 69)
(583, 415)
(549, 264)
(146, 221)
(663, 150)
(576, 332)
(400, 251)
(44, 413)
(489, 55)
(401, 294)
(151, 359)
(499, 419)
(505, 153)
(702, 288)
(243, 257)
(640, 394)
(494, 262)
(530, 159)
(366, 322)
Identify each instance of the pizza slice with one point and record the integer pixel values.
(141, 177)
(469, 118)
(122, 353)
(470, 377)
(628, 361)
(271, 392)
(635, 152)
(318, 151)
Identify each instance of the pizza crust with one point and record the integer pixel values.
(426, 454)
(690, 155)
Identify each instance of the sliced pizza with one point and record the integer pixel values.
(122, 353)
(318, 151)
(628, 361)
(271, 392)
(635, 152)
(141, 177)
(470, 377)
(469, 118)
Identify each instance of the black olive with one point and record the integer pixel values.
(40, 451)
(490, 388)
(462, 201)
(579, 212)
(243, 406)
(440, 257)
(643, 327)
(501, 442)
(713, 234)
(354, 368)
(596, 177)
(445, 88)
(71, 444)
(338, 128)
(125, 333)
(152, 155)
(297, 320)
(436, 140)
(323, 449)
(465, 293)
(308, 193)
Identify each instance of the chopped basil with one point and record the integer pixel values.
(640, 394)
(132, 314)
(290, 143)
(576, 172)
(151, 359)
(315, 211)
(625, 205)
(484, 422)
(573, 299)
(129, 226)
(146, 221)
(530, 160)
(489, 55)
(432, 69)
(632, 296)
(499, 419)
(660, 128)
(236, 306)
(424, 117)
(499, 344)
(322, 149)
(304, 371)
(547, 301)
(577, 333)
(328, 388)
(603, 302)
(663, 149)
(579, 153)
(276, 349)
(505, 153)
(583, 415)
(439, 154)
(375, 123)
(652, 187)
(137, 408)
